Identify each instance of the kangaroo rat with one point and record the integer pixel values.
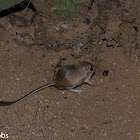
(67, 77)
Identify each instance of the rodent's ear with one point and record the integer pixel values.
(85, 68)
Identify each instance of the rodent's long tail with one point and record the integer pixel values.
(5, 103)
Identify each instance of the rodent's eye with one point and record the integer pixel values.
(91, 68)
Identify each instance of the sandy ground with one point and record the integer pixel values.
(31, 47)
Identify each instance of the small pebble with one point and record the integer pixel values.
(65, 97)
(105, 73)
(87, 21)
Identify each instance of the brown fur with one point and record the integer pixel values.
(71, 76)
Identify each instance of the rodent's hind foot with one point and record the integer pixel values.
(76, 90)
